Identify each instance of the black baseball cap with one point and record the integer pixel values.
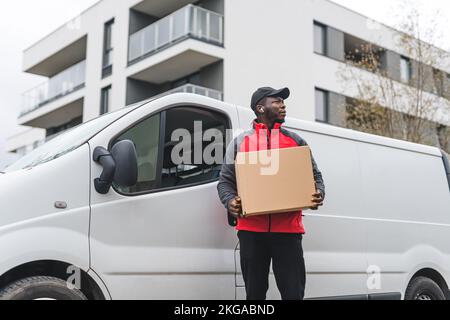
(265, 92)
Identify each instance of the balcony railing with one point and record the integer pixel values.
(189, 21)
(192, 88)
(56, 87)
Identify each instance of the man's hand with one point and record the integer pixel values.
(318, 200)
(235, 207)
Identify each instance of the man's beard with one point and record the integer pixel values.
(280, 121)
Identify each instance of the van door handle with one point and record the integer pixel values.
(60, 205)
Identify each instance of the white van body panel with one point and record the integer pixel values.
(165, 245)
(31, 228)
(396, 239)
(94, 276)
(387, 209)
(410, 229)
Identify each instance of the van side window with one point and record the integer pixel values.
(180, 147)
(145, 136)
(194, 146)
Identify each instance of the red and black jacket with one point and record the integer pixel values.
(256, 139)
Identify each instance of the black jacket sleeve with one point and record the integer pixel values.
(227, 188)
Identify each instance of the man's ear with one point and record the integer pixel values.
(260, 109)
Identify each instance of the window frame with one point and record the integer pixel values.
(409, 68)
(324, 34)
(326, 110)
(107, 30)
(103, 100)
(438, 82)
(162, 137)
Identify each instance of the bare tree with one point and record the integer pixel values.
(388, 107)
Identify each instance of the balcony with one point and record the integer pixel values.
(188, 22)
(25, 141)
(207, 81)
(56, 87)
(192, 88)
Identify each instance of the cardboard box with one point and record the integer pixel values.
(275, 181)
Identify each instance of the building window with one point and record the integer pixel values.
(192, 79)
(36, 144)
(105, 100)
(322, 106)
(405, 70)
(21, 151)
(320, 39)
(54, 131)
(107, 49)
(439, 82)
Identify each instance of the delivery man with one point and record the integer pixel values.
(266, 238)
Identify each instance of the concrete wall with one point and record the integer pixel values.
(254, 60)
(213, 5)
(140, 90)
(139, 20)
(212, 76)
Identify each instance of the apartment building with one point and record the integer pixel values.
(120, 52)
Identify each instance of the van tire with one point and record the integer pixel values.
(422, 288)
(45, 288)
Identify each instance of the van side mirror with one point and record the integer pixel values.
(119, 165)
(125, 155)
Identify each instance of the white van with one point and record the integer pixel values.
(92, 215)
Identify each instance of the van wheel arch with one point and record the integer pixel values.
(433, 275)
(51, 268)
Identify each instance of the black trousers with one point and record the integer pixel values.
(286, 253)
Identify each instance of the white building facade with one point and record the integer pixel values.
(121, 52)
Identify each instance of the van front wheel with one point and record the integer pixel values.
(422, 288)
(40, 288)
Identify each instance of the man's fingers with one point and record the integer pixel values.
(236, 205)
(233, 211)
(235, 215)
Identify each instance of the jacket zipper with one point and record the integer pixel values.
(269, 147)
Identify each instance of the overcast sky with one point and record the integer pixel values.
(23, 22)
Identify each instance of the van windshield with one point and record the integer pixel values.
(66, 142)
